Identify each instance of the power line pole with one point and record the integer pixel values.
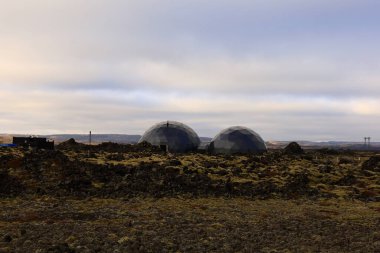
(89, 147)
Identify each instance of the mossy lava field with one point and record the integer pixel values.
(134, 198)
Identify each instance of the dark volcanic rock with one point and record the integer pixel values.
(140, 173)
(61, 248)
(328, 151)
(372, 164)
(9, 185)
(297, 184)
(347, 180)
(70, 144)
(175, 162)
(293, 148)
(116, 147)
(7, 238)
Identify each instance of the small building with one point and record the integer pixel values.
(33, 142)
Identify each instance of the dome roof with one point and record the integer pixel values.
(237, 139)
(177, 137)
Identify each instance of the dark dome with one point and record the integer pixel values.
(177, 137)
(237, 139)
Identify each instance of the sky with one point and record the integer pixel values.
(288, 69)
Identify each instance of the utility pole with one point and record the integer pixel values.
(369, 141)
(365, 141)
(89, 148)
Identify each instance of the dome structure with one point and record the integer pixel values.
(237, 139)
(172, 136)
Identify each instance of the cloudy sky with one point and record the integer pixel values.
(288, 69)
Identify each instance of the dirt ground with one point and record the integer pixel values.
(188, 225)
(123, 199)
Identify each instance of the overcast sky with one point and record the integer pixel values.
(288, 69)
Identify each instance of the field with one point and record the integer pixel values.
(123, 198)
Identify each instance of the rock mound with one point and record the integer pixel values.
(293, 148)
(372, 164)
(70, 144)
(116, 147)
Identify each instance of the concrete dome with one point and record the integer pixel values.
(173, 136)
(237, 139)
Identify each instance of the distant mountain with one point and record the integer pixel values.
(326, 144)
(205, 139)
(130, 139)
(99, 138)
(84, 138)
(5, 138)
(96, 138)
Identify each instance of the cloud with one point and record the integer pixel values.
(275, 117)
(289, 69)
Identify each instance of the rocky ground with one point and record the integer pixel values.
(134, 198)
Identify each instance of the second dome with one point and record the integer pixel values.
(235, 140)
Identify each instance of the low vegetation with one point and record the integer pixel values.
(134, 198)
